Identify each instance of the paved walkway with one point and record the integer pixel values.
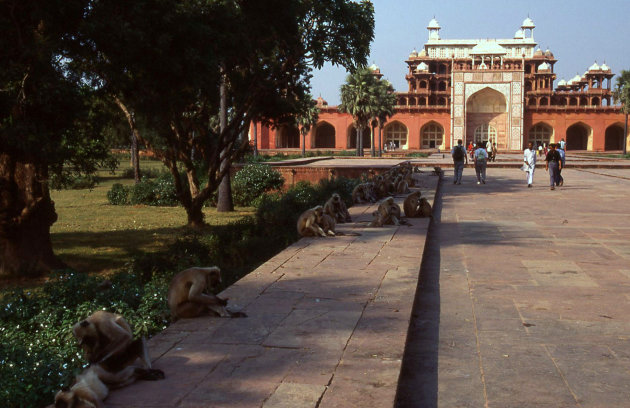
(326, 327)
(526, 301)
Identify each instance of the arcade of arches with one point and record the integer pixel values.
(352, 138)
(287, 137)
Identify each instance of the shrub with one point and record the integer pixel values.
(148, 172)
(73, 181)
(158, 192)
(118, 195)
(252, 181)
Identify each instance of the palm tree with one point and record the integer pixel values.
(362, 96)
(306, 119)
(387, 101)
(622, 94)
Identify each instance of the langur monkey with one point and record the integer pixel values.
(308, 225)
(91, 387)
(388, 213)
(364, 192)
(104, 334)
(189, 294)
(328, 225)
(411, 205)
(336, 208)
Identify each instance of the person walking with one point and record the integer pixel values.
(529, 157)
(481, 159)
(539, 149)
(553, 163)
(562, 162)
(459, 156)
(493, 156)
(562, 144)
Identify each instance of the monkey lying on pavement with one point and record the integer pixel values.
(92, 386)
(189, 294)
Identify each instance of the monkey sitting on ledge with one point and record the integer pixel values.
(189, 294)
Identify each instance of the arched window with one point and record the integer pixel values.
(540, 134)
(544, 101)
(423, 84)
(324, 136)
(532, 101)
(422, 101)
(442, 101)
(432, 136)
(442, 86)
(484, 133)
(396, 132)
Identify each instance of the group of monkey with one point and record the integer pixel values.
(321, 220)
(116, 359)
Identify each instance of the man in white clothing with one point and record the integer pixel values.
(529, 157)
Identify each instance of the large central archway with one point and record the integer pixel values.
(578, 136)
(486, 110)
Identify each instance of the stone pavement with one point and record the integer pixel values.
(524, 299)
(326, 327)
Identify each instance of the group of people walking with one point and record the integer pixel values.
(480, 154)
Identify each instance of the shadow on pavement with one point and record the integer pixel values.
(418, 382)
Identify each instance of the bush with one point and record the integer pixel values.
(252, 181)
(128, 173)
(118, 195)
(158, 192)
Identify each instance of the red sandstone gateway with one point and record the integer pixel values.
(478, 90)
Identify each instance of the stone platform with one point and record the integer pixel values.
(525, 299)
(326, 327)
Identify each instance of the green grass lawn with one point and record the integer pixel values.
(95, 237)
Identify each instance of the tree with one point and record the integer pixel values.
(384, 109)
(365, 96)
(266, 50)
(49, 126)
(306, 118)
(622, 95)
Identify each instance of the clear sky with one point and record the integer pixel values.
(578, 32)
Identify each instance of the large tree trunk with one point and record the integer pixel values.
(380, 142)
(359, 136)
(625, 137)
(26, 214)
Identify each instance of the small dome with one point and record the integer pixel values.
(423, 53)
(374, 67)
(604, 67)
(544, 67)
(594, 67)
(422, 67)
(528, 23)
(413, 54)
(321, 101)
(433, 24)
(562, 82)
(576, 78)
(548, 53)
(538, 53)
(519, 35)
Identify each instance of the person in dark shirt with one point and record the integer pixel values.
(553, 164)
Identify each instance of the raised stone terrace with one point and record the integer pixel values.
(522, 300)
(326, 326)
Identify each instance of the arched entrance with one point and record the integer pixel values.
(487, 117)
(578, 137)
(432, 136)
(287, 137)
(396, 132)
(324, 136)
(614, 137)
(540, 134)
(352, 138)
